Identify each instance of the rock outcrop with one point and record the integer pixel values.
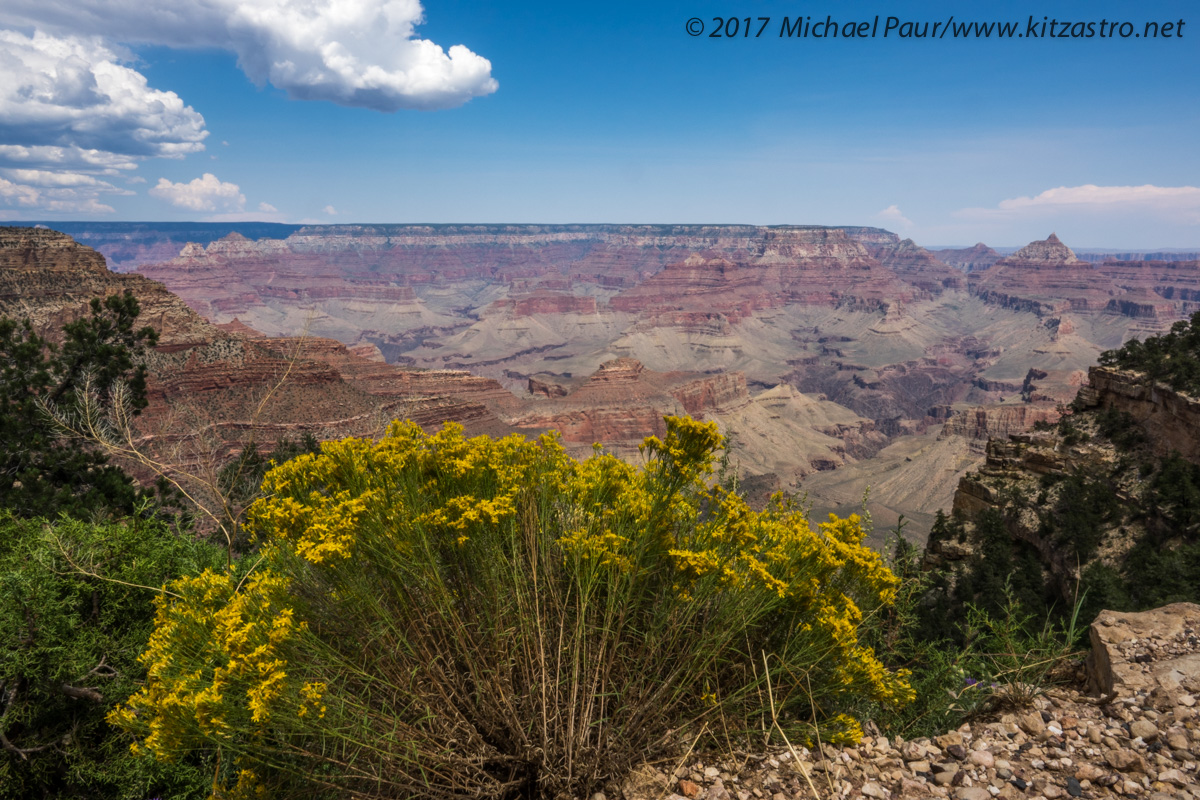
(1044, 277)
(46, 277)
(1170, 419)
(1047, 278)
(968, 259)
(996, 422)
(1156, 651)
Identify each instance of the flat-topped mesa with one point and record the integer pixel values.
(1044, 277)
(822, 266)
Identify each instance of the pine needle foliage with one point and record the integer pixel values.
(437, 616)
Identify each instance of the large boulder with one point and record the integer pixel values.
(1146, 650)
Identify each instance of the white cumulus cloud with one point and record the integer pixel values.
(71, 111)
(267, 207)
(206, 193)
(893, 215)
(68, 98)
(330, 210)
(352, 52)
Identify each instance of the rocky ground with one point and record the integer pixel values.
(1137, 734)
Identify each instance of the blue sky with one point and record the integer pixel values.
(566, 112)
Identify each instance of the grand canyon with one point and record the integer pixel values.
(838, 361)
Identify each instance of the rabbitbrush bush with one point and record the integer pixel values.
(437, 616)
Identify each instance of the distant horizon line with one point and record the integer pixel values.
(808, 226)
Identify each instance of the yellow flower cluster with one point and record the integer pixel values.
(317, 503)
(365, 528)
(236, 636)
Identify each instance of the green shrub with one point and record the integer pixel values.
(42, 473)
(443, 617)
(975, 661)
(70, 655)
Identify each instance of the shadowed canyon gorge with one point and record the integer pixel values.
(833, 358)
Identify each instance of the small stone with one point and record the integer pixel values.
(871, 789)
(972, 793)
(1073, 788)
(957, 751)
(1125, 760)
(1032, 723)
(1173, 776)
(1051, 791)
(711, 772)
(598, 796)
(1020, 784)
(911, 751)
(689, 788)
(982, 758)
(947, 739)
(1177, 739)
(918, 766)
(1144, 729)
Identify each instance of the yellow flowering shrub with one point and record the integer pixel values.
(446, 616)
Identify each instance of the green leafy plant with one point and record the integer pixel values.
(77, 613)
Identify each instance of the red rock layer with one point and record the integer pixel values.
(225, 386)
(47, 277)
(1047, 278)
(380, 263)
(916, 265)
(623, 402)
(1044, 277)
(812, 266)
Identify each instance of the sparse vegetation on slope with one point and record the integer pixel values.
(1173, 357)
